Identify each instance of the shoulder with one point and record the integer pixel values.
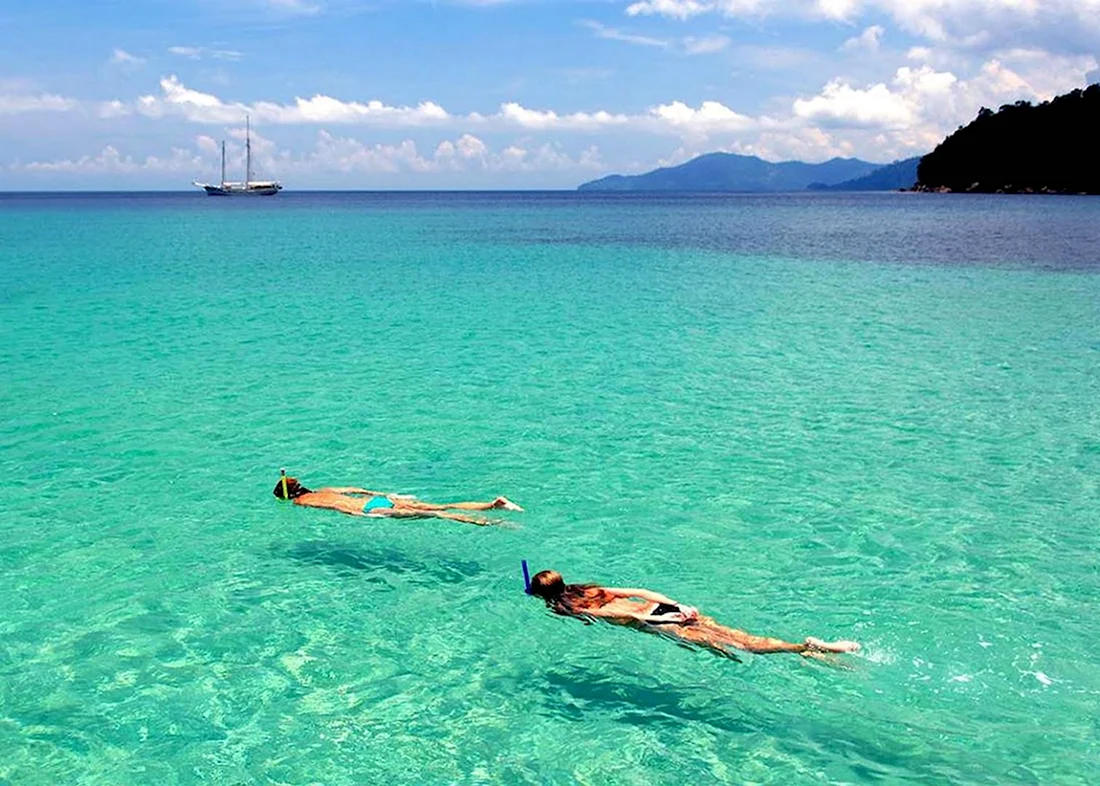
(313, 498)
(589, 594)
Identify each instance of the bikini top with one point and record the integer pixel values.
(665, 608)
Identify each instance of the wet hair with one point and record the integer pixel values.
(565, 598)
(548, 585)
(294, 489)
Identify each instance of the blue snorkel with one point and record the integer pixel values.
(526, 578)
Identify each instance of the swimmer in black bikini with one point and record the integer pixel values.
(363, 502)
(656, 613)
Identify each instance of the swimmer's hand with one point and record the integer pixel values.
(690, 613)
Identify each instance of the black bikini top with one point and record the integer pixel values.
(665, 608)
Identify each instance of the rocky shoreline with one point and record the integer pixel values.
(978, 188)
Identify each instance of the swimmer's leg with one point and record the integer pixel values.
(817, 645)
(442, 514)
(427, 513)
(810, 648)
(709, 632)
(763, 645)
(502, 503)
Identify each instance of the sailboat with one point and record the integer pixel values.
(249, 187)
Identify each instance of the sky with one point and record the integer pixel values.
(524, 94)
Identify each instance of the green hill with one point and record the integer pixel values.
(1051, 147)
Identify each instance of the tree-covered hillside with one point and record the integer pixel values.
(1051, 147)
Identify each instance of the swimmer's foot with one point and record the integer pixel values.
(503, 503)
(817, 645)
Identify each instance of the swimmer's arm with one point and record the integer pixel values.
(618, 614)
(353, 490)
(644, 594)
(631, 615)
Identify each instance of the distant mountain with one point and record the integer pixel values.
(729, 172)
(900, 174)
(1022, 148)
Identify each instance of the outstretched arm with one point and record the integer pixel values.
(353, 490)
(623, 616)
(644, 594)
(618, 614)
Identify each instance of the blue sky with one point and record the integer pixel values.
(505, 93)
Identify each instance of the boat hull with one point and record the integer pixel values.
(250, 191)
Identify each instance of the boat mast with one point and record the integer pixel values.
(247, 151)
(223, 163)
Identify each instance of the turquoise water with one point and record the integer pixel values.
(854, 417)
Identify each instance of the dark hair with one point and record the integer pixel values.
(548, 585)
(565, 598)
(294, 489)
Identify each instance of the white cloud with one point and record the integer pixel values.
(122, 57)
(711, 117)
(868, 41)
(465, 154)
(207, 144)
(906, 114)
(109, 160)
(614, 34)
(840, 10)
(677, 9)
(921, 105)
(111, 109)
(688, 45)
(705, 45)
(199, 52)
(324, 109)
(192, 52)
(332, 154)
(344, 154)
(514, 114)
(22, 103)
(840, 103)
(177, 99)
(973, 23)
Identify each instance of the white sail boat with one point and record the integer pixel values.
(248, 187)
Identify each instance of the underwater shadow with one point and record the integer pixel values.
(378, 564)
(633, 703)
(876, 749)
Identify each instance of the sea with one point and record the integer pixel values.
(858, 416)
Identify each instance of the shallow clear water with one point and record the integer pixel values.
(868, 417)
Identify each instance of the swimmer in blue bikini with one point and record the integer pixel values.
(363, 502)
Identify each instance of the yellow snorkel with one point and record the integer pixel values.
(282, 473)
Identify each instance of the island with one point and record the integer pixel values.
(1049, 148)
(729, 172)
(900, 175)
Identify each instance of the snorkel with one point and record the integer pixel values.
(282, 479)
(526, 578)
